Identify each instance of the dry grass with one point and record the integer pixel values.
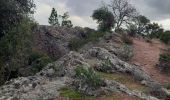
(127, 80)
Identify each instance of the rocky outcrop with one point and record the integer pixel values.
(117, 65)
(54, 40)
(47, 83)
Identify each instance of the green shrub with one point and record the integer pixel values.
(38, 61)
(15, 48)
(94, 37)
(165, 37)
(88, 76)
(125, 52)
(164, 61)
(76, 43)
(73, 95)
(126, 39)
(106, 66)
(164, 58)
(168, 86)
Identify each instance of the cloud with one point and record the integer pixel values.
(164, 23)
(42, 13)
(84, 22)
(81, 10)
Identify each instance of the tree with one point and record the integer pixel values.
(154, 30)
(53, 19)
(141, 23)
(104, 18)
(65, 21)
(12, 12)
(122, 11)
(15, 47)
(15, 38)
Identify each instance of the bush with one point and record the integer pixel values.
(15, 47)
(164, 61)
(38, 61)
(168, 86)
(88, 76)
(126, 39)
(125, 52)
(164, 58)
(165, 37)
(105, 66)
(76, 43)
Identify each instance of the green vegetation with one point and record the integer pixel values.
(164, 61)
(167, 86)
(77, 43)
(88, 76)
(126, 39)
(13, 12)
(38, 61)
(125, 52)
(55, 17)
(65, 20)
(164, 58)
(105, 66)
(165, 37)
(124, 79)
(15, 47)
(73, 95)
(104, 18)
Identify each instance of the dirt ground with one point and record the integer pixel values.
(146, 55)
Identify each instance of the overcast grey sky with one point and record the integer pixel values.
(81, 10)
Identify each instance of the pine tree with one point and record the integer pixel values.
(65, 21)
(53, 19)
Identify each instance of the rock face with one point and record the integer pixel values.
(54, 40)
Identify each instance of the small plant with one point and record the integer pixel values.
(37, 61)
(106, 66)
(164, 62)
(168, 86)
(164, 57)
(73, 95)
(76, 43)
(125, 52)
(127, 39)
(88, 76)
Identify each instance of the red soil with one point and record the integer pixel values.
(147, 56)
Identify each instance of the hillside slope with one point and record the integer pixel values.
(146, 55)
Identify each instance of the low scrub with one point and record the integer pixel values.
(126, 39)
(88, 77)
(125, 52)
(165, 37)
(73, 95)
(105, 66)
(76, 43)
(168, 86)
(164, 61)
(38, 61)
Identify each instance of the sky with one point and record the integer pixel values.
(80, 11)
